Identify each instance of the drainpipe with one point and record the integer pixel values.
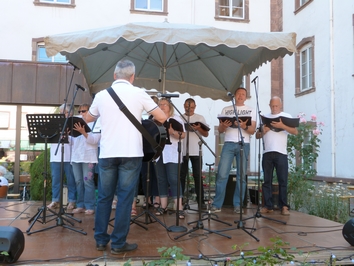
(333, 110)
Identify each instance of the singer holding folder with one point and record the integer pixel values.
(232, 148)
(167, 163)
(275, 155)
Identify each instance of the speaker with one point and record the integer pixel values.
(12, 244)
(348, 232)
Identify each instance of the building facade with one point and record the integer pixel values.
(322, 87)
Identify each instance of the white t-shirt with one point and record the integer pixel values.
(276, 141)
(170, 151)
(119, 136)
(3, 181)
(193, 138)
(232, 134)
(85, 150)
(57, 158)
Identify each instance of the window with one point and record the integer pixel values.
(304, 65)
(42, 56)
(306, 68)
(151, 6)
(56, 3)
(232, 10)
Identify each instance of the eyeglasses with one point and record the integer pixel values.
(163, 104)
(82, 111)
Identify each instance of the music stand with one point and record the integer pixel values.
(43, 128)
(55, 124)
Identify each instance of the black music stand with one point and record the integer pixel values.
(57, 123)
(44, 128)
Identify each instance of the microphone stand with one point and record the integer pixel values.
(200, 220)
(186, 160)
(259, 203)
(177, 227)
(61, 212)
(240, 224)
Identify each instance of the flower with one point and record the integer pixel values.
(313, 118)
(316, 132)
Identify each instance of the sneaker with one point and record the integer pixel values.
(78, 210)
(238, 209)
(215, 209)
(285, 211)
(125, 248)
(265, 210)
(53, 205)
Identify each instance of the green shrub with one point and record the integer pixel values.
(37, 178)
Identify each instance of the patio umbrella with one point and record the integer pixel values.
(198, 60)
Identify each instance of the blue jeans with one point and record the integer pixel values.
(167, 175)
(116, 176)
(229, 151)
(70, 181)
(278, 161)
(85, 185)
(196, 168)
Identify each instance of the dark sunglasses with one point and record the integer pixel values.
(82, 111)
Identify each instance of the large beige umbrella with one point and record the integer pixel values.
(199, 60)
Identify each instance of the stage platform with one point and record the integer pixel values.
(317, 238)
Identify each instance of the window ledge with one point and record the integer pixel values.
(54, 5)
(305, 92)
(232, 19)
(147, 12)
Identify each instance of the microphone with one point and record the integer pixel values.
(75, 67)
(167, 95)
(81, 88)
(229, 94)
(253, 80)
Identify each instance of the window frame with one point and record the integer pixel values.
(164, 11)
(304, 45)
(299, 6)
(36, 44)
(224, 18)
(54, 4)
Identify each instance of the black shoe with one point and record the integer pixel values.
(101, 247)
(125, 248)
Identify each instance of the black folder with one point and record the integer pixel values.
(72, 121)
(290, 122)
(203, 126)
(232, 119)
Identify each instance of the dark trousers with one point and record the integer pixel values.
(279, 162)
(196, 169)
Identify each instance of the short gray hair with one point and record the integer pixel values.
(124, 69)
(3, 170)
